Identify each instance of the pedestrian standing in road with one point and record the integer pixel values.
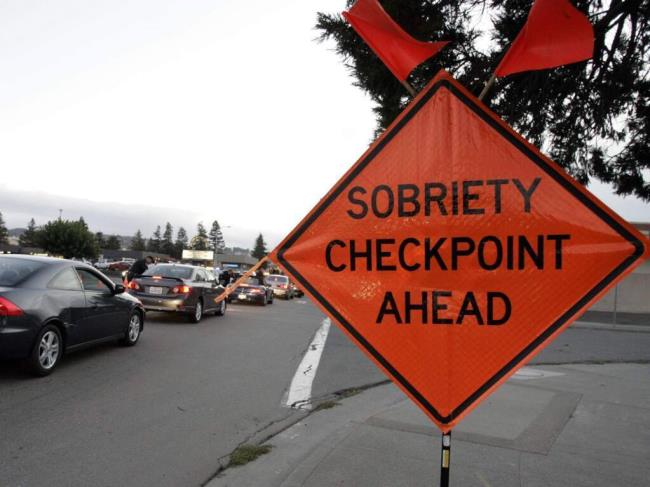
(260, 277)
(139, 267)
(226, 277)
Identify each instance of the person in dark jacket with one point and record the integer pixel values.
(260, 277)
(139, 267)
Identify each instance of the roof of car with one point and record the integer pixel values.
(38, 258)
(182, 265)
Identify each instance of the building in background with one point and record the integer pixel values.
(236, 262)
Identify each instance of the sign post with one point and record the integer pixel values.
(453, 251)
(445, 460)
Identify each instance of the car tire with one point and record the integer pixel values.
(133, 330)
(221, 308)
(196, 316)
(47, 351)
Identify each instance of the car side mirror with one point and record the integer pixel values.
(119, 289)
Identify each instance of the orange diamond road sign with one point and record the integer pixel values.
(453, 251)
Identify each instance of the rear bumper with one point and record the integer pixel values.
(280, 292)
(255, 298)
(173, 305)
(16, 339)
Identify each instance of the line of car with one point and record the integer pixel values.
(50, 306)
(263, 293)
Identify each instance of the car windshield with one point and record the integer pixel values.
(165, 270)
(277, 279)
(253, 281)
(13, 271)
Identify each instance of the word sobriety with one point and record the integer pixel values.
(445, 253)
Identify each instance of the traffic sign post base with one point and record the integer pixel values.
(445, 459)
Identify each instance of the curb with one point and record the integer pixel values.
(612, 327)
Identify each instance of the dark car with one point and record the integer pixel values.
(177, 288)
(281, 286)
(119, 266)
(297, 292)
(252, 292)
(49, 307)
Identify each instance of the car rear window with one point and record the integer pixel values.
(277, 279)
(164, 270)
(14, 271)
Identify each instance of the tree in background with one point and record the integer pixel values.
(259, 251)
(4, 233)
(180, 243)
(113, 243)
(153, 245)
(167, 243)
(137, 242)
(70, 239)
(101, 241)
(29, 236)
(591, 117)
(200, 240)
(217, 243)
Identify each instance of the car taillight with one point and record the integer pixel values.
(181, 290)
(134, 285)
(7, 308)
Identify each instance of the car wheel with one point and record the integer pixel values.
(132, 334)
(221, 309)
(198, 312)
(47, 351)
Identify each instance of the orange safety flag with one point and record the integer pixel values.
(397, 49)
(556, 33)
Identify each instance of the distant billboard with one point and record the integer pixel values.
(198, 254)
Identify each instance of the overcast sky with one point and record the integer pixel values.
(138, 112)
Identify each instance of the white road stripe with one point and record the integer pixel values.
(299, 394)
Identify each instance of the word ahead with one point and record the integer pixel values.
(453, 251)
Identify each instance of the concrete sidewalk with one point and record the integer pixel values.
(573, 425)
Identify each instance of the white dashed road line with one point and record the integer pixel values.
(299, 394)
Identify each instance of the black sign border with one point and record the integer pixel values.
(551, 170)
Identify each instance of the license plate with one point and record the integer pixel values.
(241, 296)
(155, 290)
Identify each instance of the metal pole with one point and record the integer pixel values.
(615, 302)
(409, 88)
(445, 459)
(487, 86)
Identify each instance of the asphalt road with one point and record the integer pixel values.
(164, 412)
(343, 366)
(160, 413)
